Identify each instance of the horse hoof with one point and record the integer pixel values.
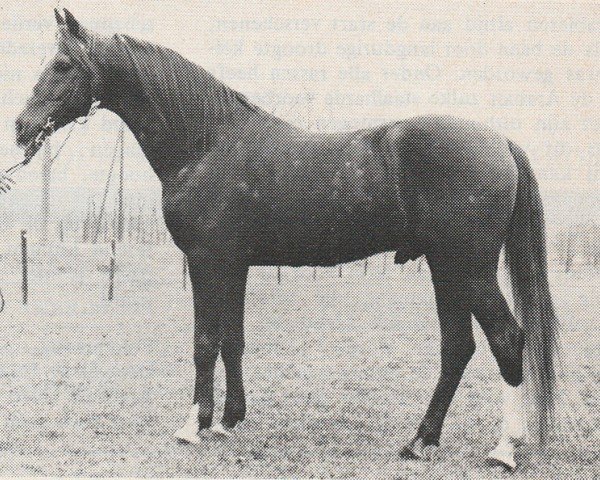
(417, 450)
(186, 435)
(219, 429)
(503, 458)
(409, 454)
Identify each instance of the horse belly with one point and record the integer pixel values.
(331, 212)
(325, 241)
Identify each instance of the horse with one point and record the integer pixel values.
(241, 188)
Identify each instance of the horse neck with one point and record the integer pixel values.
(173, 131)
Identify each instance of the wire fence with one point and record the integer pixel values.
(31, 270)
(109, 270)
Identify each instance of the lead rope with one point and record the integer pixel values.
(48, 130)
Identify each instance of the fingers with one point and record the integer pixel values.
(6, 183)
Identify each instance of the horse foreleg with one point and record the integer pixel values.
(457, 347)
(232, 349)
(215, 290)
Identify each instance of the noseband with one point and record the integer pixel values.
(48, 129)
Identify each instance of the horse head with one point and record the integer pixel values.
(67, 86)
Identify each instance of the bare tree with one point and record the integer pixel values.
(565, 246)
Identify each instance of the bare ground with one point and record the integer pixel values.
(338, 373)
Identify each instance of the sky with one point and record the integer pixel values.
(528, 69)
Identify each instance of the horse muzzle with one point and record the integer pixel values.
(31, 138)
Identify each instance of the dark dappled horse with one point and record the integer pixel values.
(242, 187)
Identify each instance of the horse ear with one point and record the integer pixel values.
(73, 25)
(59, 19)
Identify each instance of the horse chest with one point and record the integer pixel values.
(197, 205)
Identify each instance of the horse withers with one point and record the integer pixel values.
(242, 187)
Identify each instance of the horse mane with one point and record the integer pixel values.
(186, 98)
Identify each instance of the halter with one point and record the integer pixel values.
(47, 131)
(82, 57)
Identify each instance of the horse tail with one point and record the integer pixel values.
(526, 259)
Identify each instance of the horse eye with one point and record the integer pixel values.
(62, 66)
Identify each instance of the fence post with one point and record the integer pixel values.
(278, 274)
(111, 281)
(340, 270)
(24, 284)
(185, 272)
(366, 265)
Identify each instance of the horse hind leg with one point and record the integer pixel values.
(457, 347)
(506, 341)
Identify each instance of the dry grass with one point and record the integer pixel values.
(338, 374)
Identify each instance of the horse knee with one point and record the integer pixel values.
(206, 350)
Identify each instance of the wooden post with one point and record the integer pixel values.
(278, 274)
(185, 272)
(366, 265)
(111, 280)
(340, 270)
(24, 283)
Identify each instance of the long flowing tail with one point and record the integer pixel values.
(527, 261)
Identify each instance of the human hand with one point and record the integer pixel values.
(6, 182)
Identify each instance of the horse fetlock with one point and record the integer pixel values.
(513, 375)
(231, 417)
(204, 421)
(188, 433)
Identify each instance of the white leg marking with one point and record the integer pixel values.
(513, 422)
(189, 431)
(513, 427)
(219, 429)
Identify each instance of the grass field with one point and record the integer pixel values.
(338, 373)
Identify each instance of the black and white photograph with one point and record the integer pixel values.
(300, 239)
